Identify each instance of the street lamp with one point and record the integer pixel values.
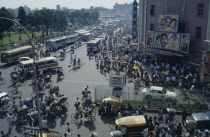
(34, 67)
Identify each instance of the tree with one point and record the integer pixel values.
(5, 25)
(22, 16)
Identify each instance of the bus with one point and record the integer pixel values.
(13, 55)
(56, 42)
(47, 63)
(62, 41)
(93, 46)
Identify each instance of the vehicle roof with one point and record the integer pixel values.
(56, 39)
(3, 94)
(38, 60)
(156, 88)
(16, 49)
(111, 99)
(93, 41)
(71, 36)
(131, 121)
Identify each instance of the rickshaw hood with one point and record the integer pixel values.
(131, 121)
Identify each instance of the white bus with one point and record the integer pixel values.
(47, 63)
(13, 55)
(56, 42)
(93, 46)
(59, 42)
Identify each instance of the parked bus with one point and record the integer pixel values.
(56, 42)
(93, 46)
(47, 63)
(13, 55)
(59, 42)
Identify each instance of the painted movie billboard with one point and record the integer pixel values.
(185, 43)
(150, 38)
(168, 41)
(168, 23)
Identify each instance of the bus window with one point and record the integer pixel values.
(50, 62)
(41, 63)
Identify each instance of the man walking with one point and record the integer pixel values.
(9, 121)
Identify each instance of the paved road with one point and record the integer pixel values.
(72, 86)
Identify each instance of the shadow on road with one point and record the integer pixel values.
(90, 126)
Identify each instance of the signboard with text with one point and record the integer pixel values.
(117, 81)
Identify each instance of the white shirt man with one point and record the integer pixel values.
(44, 123)
(145, 132)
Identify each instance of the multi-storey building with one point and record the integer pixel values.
(193, 18)
(134, 20)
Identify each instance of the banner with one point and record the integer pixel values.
(168, 23)
(169, 41)
(185, 43)
(150, 38)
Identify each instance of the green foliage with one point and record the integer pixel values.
(83, 17)
(22, 16)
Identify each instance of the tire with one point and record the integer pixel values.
(91, 119)
(74, 117)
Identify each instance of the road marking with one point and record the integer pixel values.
(90, 82)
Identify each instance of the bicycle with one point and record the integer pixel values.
(14, 91)
(2, 80)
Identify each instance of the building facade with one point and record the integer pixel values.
(193, 19)
(134, 20)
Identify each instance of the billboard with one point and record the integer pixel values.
(168, 23)
(185, 43)
(168, 41)
(150, 38)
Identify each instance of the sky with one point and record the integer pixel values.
(73, 4)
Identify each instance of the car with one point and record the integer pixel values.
(155, 92)
(24, 59)
(201, 120)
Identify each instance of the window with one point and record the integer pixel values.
(152, 10)
(151, 27)
(200, 10)
(198, 33)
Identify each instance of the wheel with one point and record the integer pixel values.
(112, 127)
(2, 81)
(91, 118)
(74, 117)
(33, 94)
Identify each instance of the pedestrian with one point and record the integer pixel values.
(78, 135)
(21, 102)
(68, 134)
(68, 127)
(9, 121)
(145, 132)
(184, 116)
(76, 104)
(44, 124)
(15, 108)
(179, 130)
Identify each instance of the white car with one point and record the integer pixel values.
(24, 59)
(156, 92)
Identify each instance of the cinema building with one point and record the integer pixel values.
(174, 29)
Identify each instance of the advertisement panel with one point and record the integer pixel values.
(150, 38)
(169, 41)
(185, 43)
(168, 23)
